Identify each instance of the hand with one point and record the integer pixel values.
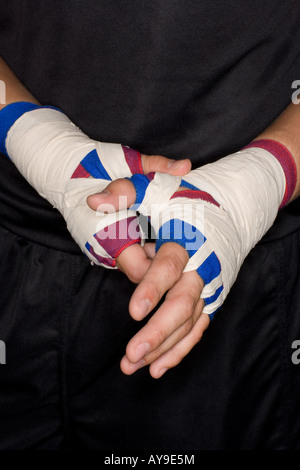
(65, 166)
(178, 324)
(134, 260)
(228, 206)
(238, 198)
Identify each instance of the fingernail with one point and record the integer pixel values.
(161, 372)
(141, 350)
(145, 306)
(174, 164)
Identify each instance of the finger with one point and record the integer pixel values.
(175, 350)
(164, 271)
(175, 315)
(176, 354)
(149, 250)
(165, 165)
(129, 367)
(118, 195)
(134, 262)
(176, 336)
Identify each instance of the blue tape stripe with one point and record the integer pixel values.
(141, 183)
(210, 268)
(183, 233)
(92, 164)
(188, 185)
(213, 298)
(8, 116)
(190, 238)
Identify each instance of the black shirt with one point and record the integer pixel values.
(193, 78)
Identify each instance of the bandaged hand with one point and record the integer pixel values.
(65, 166)
(220, 212)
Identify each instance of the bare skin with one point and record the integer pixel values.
(16, 91)
(178, 325)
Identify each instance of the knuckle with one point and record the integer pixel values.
(187, 303)
(172, 266)
(159, 336)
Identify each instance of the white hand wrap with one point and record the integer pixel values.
(228, 207)
(65, 166)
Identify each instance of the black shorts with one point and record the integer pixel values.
(66, 325)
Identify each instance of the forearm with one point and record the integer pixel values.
(286, 130)
(14, 89)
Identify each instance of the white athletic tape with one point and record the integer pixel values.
(47, 148)
(249, 187)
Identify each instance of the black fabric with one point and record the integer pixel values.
(194, 79)
(62, 387)
(197, 80)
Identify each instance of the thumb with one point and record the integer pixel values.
(162, 164)
(118, 195)
(134, 262)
